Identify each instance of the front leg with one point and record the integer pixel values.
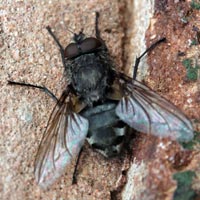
(42, 88)
(62, 51)
(97, 31)
(137, 61)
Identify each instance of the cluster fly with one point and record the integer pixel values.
(98, 105)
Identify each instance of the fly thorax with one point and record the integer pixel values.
(90, 83)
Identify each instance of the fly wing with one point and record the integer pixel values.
(147, 112)
(62, 142)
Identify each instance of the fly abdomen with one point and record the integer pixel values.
(106, 131)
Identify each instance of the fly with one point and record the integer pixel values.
(99, 104)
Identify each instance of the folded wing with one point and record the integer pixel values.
(147, 112)
(62, 142)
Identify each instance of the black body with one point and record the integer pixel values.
(90, 71)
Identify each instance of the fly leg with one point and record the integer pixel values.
(74, 180)
(137, 61)
(42, 88)
(97, 31)
(58, 43)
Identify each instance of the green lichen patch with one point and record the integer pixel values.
(194, 42)
(184, 189)
(192, 71)
(195, 4)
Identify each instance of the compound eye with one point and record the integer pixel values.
(90, 44)
(71, 50)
